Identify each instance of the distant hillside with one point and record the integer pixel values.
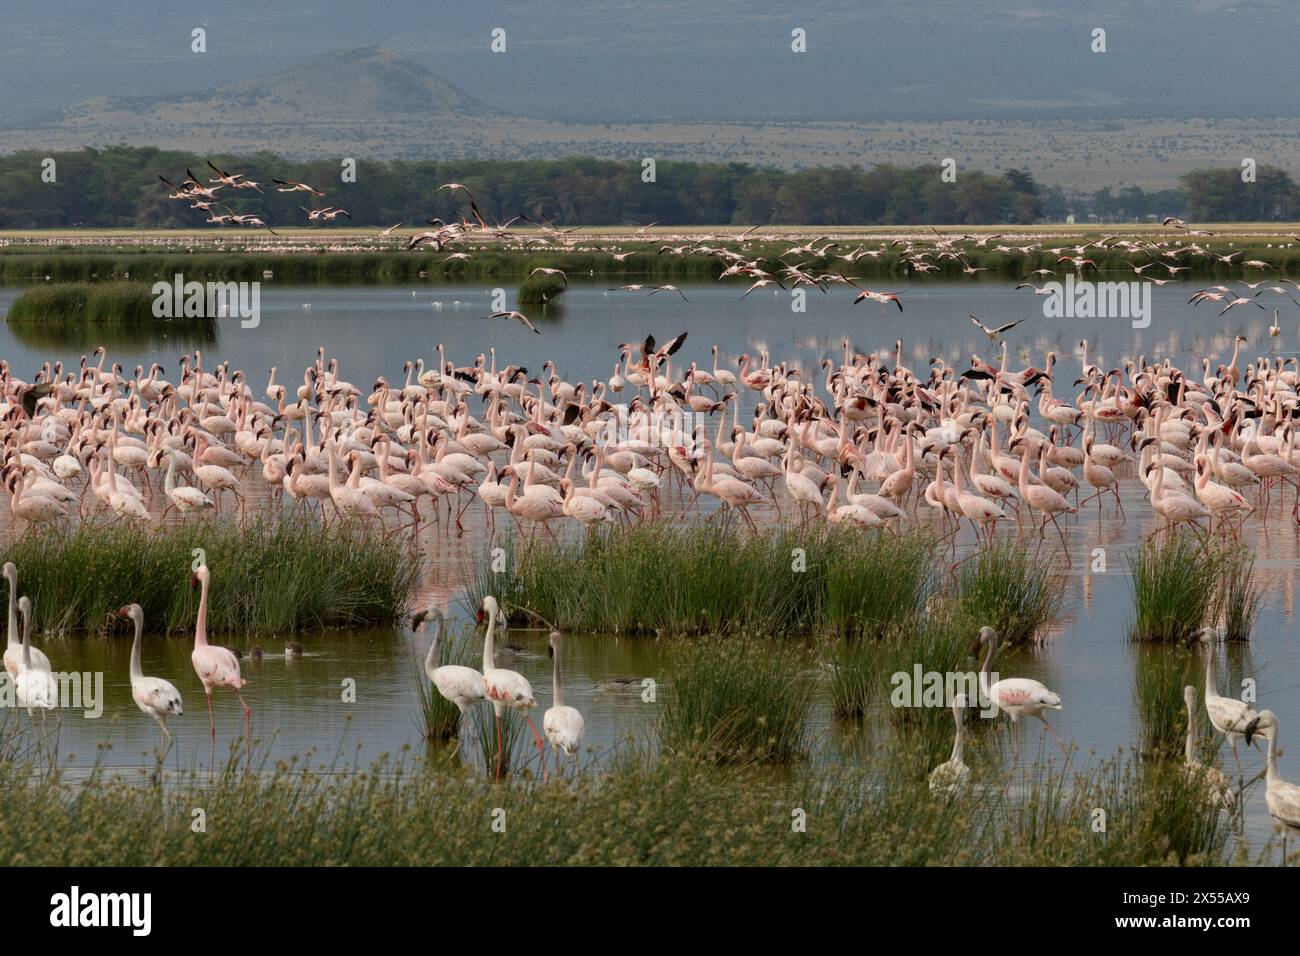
(364, 86)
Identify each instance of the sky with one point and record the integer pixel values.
(686, 60)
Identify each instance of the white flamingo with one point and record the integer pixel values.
(1017, 696)
(505, 688)
(563, 725)
(153, 695)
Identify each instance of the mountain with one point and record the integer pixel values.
(363, 86)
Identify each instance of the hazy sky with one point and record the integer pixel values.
(687, 59)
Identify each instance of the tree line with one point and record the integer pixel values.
(119, 187)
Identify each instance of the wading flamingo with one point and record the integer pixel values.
(953, 776)
(216, 666)
(462, 686)
(14, 650)
(156, 697)
(1282, 798)
(505, 688)
(563, 725)
(1017, 696)
(1218, 792)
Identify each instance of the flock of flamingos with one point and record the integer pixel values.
(866, 442)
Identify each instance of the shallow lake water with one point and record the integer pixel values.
(297, 704)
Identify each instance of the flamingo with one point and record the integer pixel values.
(153, 695)
(216, 666)
(505, 688)
(1281, 797)
(1217, 790)
(36, 687)
(953, 776)
(1017, 696)
(1229, 716)
(563, 725)
(15, 653)
(460, 685)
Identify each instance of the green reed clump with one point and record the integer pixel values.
(706, 579)
(940, 644)
(1240, 595)
(267, 577)
(82, 303)
(539, 290)
(1004, 588)
(517, 748)
(871, 591)
(1175, 581)
(1161, 673)
(737, 701)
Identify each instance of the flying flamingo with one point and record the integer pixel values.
(563, 725)
(216, 666)
(156, 697)
(505, 688)
(1017, 696)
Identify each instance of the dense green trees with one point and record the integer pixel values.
(118, 187)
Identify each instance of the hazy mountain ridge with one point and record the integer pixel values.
(360, 85)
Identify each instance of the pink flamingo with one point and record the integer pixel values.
(216, 666)
(505, 688)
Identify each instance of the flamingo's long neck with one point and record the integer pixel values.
(13, 611)
(136, 671)
(1189, 749)
(959, 741)
(489, 646)
(431, 659)
(556, 678)
(1273, 775)
(987, 669)
(201, 622)
(27, 637)
(1210, 689)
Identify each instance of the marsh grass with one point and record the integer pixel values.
(82, 303)
(267, 578)
(541, 290)
(737, 701)
(676, 810)
(1239, 596)
(1160, 675)
(1175, 582)
(517, 746)
(1005, 588)
(666, 579)
(873, 591)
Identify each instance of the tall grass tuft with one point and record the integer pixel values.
(873, 591)
(517, 747)
(267, 577)
(1240, 595)
(1161, 673)
(667, 579)
(1175, 582)
(85, 303)
(541, 290)
(1004, 588)
(737, 701)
